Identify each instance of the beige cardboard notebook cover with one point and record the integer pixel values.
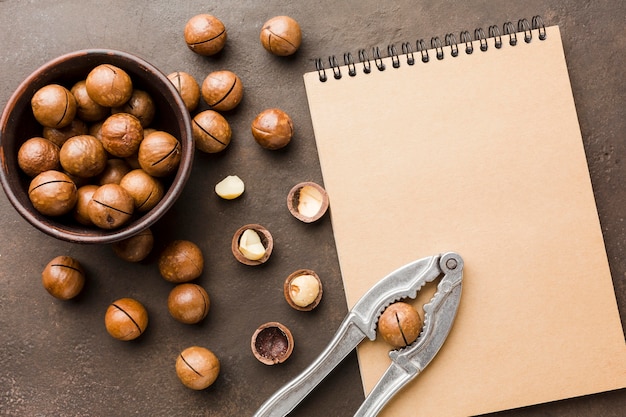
(480, 154)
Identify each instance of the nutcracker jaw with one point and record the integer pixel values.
(361, 322)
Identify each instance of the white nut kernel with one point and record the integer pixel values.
(250, 245)
(310, 201)
(303, 290)
(230, 187)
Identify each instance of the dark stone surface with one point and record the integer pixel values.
(56, 357)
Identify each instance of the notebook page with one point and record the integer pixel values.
(479, 154)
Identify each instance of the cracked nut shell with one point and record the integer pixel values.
(159, 154)
(181, 261)
(222, 90)
(121, 134)
(114, 171)
(81, 210)
(187, 87)
(53, 106)
(400, 324)
(205, 34)
(197, 367)
(188, 303)
(211, 131)
(87, 109)
(63, 277)
(52, 193)
(110, 206)
(145, 190)
(126, 319)
(140, 105)
(281, 35)
(272, 343)
(37, 155)
(109, 85)
(83, 156)
(272, 129)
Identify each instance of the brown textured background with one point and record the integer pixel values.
(56, 357)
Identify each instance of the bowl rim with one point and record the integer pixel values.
(102, 236)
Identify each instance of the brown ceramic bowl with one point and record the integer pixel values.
(18, 124)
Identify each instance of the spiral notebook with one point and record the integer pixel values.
(472, 145)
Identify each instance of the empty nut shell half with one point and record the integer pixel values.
(272, 343)
(307, 201)
(303, 290)
(266, 239)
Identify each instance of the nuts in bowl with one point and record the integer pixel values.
(60, 95)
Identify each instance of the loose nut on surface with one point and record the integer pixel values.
(281, 35)
(307, 202)
(205, 34)
(272, 129)
(400, 324)
(222, 90)
(230, 187)
(126, 319)
(188, 303)
(63, 277)
(197, 367)
(303, 290)
(181, 261)
(272, 343)
(252, 244)
(211, 131)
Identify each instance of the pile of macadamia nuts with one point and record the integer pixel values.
(99, 159)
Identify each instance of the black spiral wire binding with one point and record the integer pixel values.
(408, 51)
(524, 26)
(479, 35)
(321, 72)
(494, 32)
(508, 29)
(436, 44)
(466, 38)
(393, 53)
(365, 60)
(450, 40)
(332, 61)
(378, 59)
(423, 49)
(537, 24)
(349, 62)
